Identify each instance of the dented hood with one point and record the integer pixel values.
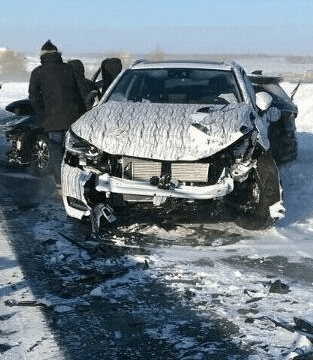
(170, 132)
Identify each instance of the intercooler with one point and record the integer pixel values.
(139, 169)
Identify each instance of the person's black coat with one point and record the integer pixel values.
(55, 94)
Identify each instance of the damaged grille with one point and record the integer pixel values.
(139, 169)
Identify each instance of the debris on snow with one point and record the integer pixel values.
(63, 309)
(5, 347)
(97, 292)
(279, 287)
(303, 325)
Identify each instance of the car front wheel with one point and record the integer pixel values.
(258, 193)
(40, 155)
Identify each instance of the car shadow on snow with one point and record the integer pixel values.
(190, 224)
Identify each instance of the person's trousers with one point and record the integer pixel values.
(56, 139)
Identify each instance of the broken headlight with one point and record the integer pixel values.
(78, 146)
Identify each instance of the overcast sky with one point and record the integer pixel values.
(176, 26)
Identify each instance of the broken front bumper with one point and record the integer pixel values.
(107, 183)
(73, 185)
(75, 179)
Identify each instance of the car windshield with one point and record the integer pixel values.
(177, 85)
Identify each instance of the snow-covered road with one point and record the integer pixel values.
(22, 329)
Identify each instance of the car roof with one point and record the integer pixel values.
(188, 64)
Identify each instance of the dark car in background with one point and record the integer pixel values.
(282, 133)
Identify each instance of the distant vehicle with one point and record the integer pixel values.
(282, 133)
(174, 131)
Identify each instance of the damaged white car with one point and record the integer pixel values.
(174, 131)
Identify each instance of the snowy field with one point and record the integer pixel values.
(228, 285)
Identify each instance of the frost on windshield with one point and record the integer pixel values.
(162, 131)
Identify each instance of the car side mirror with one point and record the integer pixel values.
(263, 100)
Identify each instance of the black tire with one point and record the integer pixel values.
(261, 190)
(40, 155)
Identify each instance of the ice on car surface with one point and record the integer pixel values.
(162, 131)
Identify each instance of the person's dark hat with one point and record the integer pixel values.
(47, 48)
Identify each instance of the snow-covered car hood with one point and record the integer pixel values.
(170, 132)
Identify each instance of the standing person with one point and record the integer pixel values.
(55, 95)
(109, 70)
(90, 90)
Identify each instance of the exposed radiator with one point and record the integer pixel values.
(138, 169)
(193, 172)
